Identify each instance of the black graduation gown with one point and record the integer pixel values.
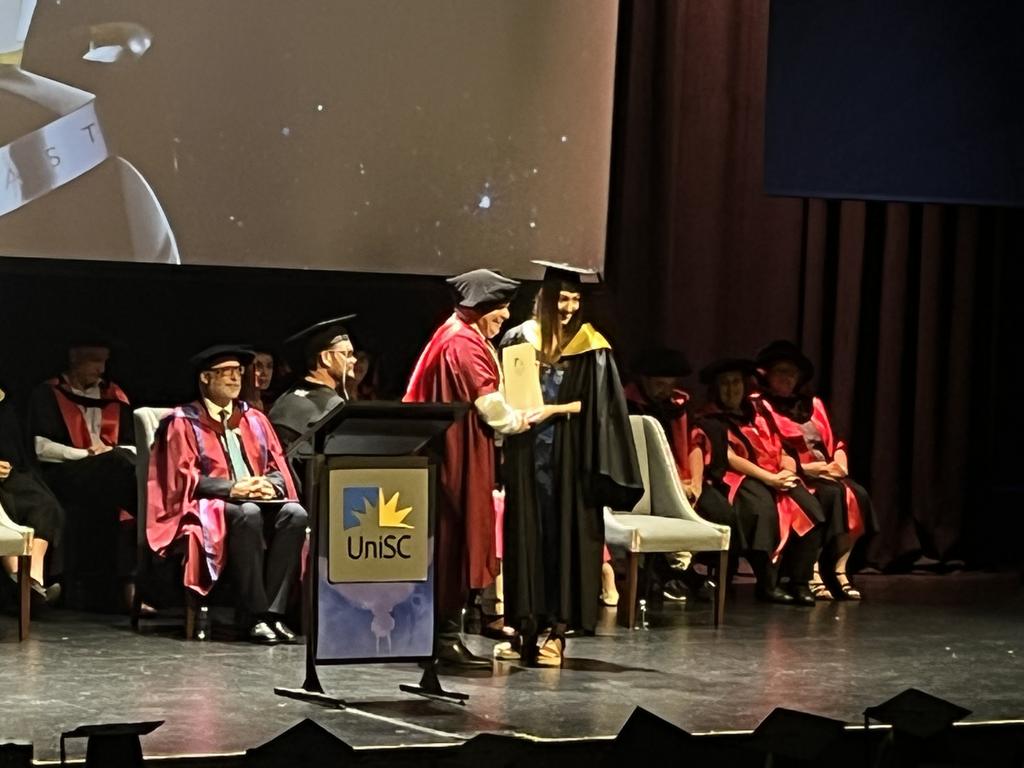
(24, 495)
(294, 412)
(553, 541)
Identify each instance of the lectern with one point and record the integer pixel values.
(369, 473)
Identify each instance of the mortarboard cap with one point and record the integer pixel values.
(203, 361)
(710, 372)
(918, 713)
(663, 361)
(81, 336)
(316, 338)
(780, 350)
(483, 290)
(799, 735)
(307, 743)
(646, 732)
(566, 273)
(111, 745)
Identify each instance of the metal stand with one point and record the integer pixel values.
(313, 697)
(430, 686)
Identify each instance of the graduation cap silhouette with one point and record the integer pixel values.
(916, 713)
(646, 734)
(110, 745)
(797, 735)
(307, 743)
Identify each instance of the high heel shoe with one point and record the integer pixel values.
(552, 652)
(846, 590)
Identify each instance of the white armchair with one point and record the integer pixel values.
(663, 520)
(16, 541)
(147, 421)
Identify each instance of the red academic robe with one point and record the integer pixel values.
(796, 436)
(114, 400)
(674, 420)
(187, 447)
(762, 445)
(459, 365)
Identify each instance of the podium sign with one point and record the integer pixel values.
(377, 525)
(370, 481)
(375, 594)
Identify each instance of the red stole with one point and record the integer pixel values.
(795, 439)
(110, 424)
(767, 454)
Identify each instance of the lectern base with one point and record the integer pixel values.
(430, 686)
(314, 697)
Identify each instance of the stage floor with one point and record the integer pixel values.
(959, 636)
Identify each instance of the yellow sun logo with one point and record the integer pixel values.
(389, 514)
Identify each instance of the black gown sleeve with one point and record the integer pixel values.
(607, 455)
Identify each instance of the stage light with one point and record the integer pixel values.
(796, 735)
(110, 745)
(306, 743)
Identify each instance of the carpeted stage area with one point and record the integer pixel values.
(959, 636)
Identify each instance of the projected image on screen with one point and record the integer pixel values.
(415, 136)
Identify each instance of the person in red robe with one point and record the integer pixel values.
(459, 364)
(217, 481)
(806, 430)
(763, 486)
(657, 392)
(83, 434)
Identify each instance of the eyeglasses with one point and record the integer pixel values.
(228, 370)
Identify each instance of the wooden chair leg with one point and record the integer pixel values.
(24, 596)
(191, 610)
(627, 602)
(720, 582)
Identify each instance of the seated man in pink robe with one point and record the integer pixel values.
(218, 481)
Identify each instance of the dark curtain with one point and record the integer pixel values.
(900, 306)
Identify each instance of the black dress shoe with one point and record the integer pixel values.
(284, 634)
(262, 633)
(802, 594)
(775, 595)
(451, 651)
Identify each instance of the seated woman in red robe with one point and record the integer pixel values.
(782, 515)
(806, 430)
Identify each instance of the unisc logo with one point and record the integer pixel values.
(375, 527)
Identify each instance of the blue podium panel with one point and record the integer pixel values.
(375, 594)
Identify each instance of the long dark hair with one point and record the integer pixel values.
(553, 337)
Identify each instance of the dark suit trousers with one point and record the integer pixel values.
(263, 575)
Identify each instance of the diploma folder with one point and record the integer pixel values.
(522, 378)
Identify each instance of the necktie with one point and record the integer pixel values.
(239, 470)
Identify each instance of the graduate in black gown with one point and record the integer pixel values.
(325, 355)
(560, 474)
(27, 501)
